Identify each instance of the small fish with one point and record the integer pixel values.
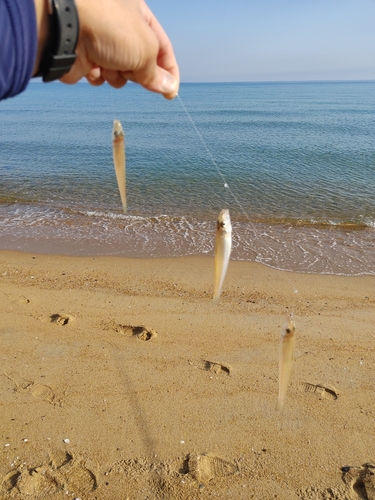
(223, 248)
(287, 345)
(118, 149)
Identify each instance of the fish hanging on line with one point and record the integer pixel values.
(118, 150)
(286, 358)
(223, 246)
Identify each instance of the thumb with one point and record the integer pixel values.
(162, 81)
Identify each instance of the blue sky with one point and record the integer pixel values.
(271, 40)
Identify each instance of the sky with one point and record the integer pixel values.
(270, 40)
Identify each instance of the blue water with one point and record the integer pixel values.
(299, 160)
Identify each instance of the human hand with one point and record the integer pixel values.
(122, 40)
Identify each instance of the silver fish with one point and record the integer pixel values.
(118, 150)
(287, 346)
(223, 248)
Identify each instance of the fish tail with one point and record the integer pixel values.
(280, 406)
(216, 299)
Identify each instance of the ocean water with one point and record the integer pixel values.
(299, 160)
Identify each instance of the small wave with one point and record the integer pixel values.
(312, 223)
(370, 223)
(129, 216)
(95, 213)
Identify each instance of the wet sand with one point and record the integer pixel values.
(120, 379)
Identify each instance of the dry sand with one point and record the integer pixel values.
(121, 380)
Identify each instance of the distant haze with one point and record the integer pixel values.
(271, 40)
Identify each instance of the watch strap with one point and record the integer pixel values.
(59, 55)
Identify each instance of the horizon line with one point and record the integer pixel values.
(371, 80)
(83, 80)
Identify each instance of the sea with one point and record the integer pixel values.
(293, 162)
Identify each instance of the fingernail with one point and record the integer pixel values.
(169, 85)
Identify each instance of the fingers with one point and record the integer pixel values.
(162, 82)
(97, 76)
(94, 77)
(114, 78)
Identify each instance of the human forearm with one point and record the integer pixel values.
(18, 45)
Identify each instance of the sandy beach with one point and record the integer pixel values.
(120, 379)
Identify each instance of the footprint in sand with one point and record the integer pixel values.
(361, 480)
(17, 300)
(22, 300)
(10, 480)
(61, 319)
(38, 391)
(205, 467)
(336, 493)
(324, 391)
(211, 366)
(64, 473)
(141, 332)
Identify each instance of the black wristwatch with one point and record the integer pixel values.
(59, 54)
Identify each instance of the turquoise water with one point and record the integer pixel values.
(299, 160)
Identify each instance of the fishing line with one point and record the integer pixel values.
(226, 185)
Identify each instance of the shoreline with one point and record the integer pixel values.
(310, 250)
(201, 261)
(120, 378)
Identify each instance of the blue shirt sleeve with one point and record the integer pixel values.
(18, 45)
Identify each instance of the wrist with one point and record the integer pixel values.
(41, 12)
